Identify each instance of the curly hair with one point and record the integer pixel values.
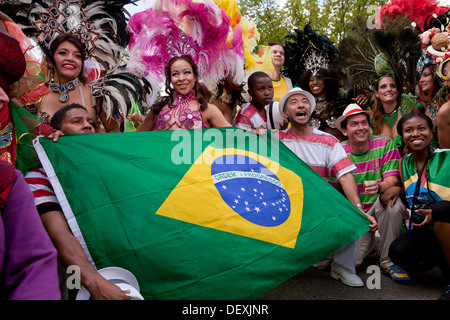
(330, 79)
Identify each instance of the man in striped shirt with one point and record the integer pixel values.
(325, 155)
(71, 119)
(377, 160)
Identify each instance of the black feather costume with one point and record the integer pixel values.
(101, 27)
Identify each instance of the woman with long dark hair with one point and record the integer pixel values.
(67, 82)
(429, 97)
(387, 109)
(184, 107)
(325, 86)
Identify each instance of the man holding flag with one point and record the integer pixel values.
(71, 119)
(199, 213)
(323, 153)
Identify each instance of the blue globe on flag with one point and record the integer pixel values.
(251, 190)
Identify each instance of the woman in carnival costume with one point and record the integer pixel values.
(69, 33)
(435, 49)
(313, 66)
(387, 103)
(430, 94)
(436, 53)
(430, 22)
(21, 83)
(183, 43)
(443, 115)
(184, 107)
(385, 61)
(242, 37)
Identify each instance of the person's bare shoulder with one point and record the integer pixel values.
(443, 125)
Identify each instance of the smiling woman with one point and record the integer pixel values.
(67, 83)
(185, 106)
(387, 109)
(425, 177)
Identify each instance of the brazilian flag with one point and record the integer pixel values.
(197, 214)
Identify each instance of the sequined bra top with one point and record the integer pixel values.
(181, 116)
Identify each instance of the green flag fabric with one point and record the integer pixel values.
(197, 214)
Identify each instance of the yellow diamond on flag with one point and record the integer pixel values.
(232, 191)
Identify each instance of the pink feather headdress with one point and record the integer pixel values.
(176, 27)
(416, 10)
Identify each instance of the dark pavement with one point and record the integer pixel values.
(313, 284)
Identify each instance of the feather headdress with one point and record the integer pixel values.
(99, 24)
(435, 41)
(116, 91)
(415, 11)
(309, 51)
(101, 27)
(241, 28)
(367, 54)
(172, 28)
(428, 18)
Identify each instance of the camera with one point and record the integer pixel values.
(418, 217)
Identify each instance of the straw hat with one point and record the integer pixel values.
(351, 110)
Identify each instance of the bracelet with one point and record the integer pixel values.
(379, 188)
(359, 205)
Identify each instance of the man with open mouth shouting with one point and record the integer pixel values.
(325, 155)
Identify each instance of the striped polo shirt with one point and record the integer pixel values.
(249, 118)
(379, 162)
(44, 196)
(321, 151)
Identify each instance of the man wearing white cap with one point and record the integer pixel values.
(325, 155)
(377, 162)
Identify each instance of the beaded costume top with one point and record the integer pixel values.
(180, 116)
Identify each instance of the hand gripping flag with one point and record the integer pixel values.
(197, 214)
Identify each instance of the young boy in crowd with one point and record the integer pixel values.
(253, 115)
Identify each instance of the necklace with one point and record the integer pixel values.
(320, 105)
(183, 100)
(63, 89)
(390, 118)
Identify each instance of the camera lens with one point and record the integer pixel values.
(417, 217)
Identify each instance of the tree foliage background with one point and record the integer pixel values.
(333, 18)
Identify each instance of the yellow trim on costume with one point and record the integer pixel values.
(6, 156)
(439, 72)
(7, 138)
